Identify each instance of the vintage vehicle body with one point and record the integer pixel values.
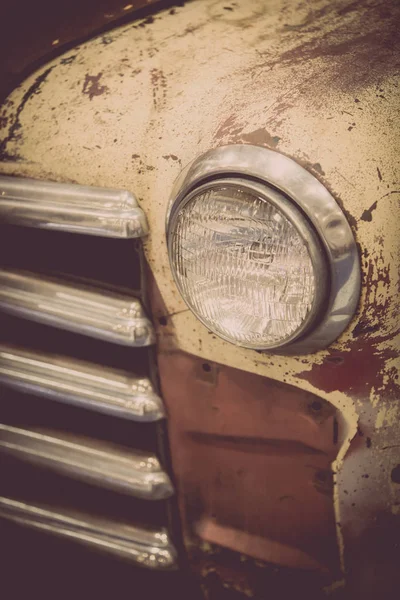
(277, 458)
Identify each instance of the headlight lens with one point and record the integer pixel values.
(261, 251)
(247, 262)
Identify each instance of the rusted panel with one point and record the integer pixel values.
(252, 459)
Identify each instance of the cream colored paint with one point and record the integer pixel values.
(197, 79)
(63, 130)
(387, 416)
(64, 143)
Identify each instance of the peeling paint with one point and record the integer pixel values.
(367, 214)
(280, 74)
(92, 86)
(3, 120)
(387, 416)
(261, 137)
(14, 132)
(68, 60)
(317, 167)
(159, 84)
(370, 25)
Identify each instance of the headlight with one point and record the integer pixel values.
(262, 261)
(247, 263)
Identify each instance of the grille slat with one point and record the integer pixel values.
(137, 474)
(81, 384)
(112, 317)
(82, 432)
(70, 207)
(152, 549)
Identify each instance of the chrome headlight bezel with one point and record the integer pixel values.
(311, 207)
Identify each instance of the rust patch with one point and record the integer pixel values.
(231, 132)
(228, 128)
(14, 132)
(252, 444)
(92, 86)
(361, 368)
(247, 433)
(358, 48)
(159, 85)
(367, 214)
(261, 137)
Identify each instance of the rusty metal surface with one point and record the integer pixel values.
(318, 83)
(252, 458)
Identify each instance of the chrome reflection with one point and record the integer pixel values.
(90, 311)
(92, 461)
(151, 549)
(69, 207)
(282, 174)
(85, 385)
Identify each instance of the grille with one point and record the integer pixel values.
(82, 433)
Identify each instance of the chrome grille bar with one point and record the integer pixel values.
(152, 549)
(99, 463)
(70, 207)
(93, 312)
(84, 385)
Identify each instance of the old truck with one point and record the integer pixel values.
(199, 350)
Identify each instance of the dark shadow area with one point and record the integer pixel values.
(33, 32)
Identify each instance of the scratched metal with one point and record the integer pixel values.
(315, 82)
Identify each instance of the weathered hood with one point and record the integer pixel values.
(130, 108)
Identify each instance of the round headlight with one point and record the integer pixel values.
(248, 259)
(247, 263)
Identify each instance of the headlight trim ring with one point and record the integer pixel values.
(276, 172)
